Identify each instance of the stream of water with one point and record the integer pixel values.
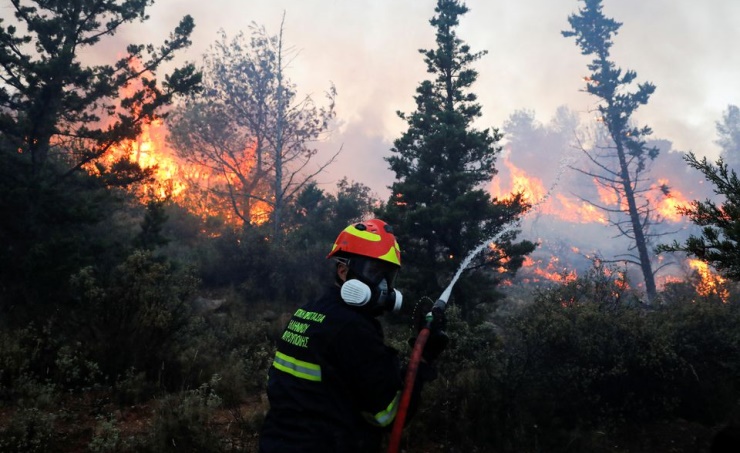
(564, 163)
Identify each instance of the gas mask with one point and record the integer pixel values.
(358, 294)
(369, 286)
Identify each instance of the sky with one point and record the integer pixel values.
(369, 50)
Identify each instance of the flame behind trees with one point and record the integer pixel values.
(538, 154)
(249, 126)
(619, 159)
(720, 235)
(55, 109)
(717, 246)
(192, 186)
(54, 112)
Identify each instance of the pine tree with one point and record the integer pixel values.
(621, 165)
(439, 207)
(59, 121)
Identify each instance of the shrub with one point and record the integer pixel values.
(131, 318)
(578, 366)
(30, 430)
(184, 422)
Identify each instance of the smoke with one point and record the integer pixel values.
(570, 235)
(369, 51)
(361, 159)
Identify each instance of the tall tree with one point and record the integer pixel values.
(250, 126)
(620, 158)
(438, 206)
(59, 120)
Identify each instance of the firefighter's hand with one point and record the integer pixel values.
(436, 344)
(437, 341)
(437, 320)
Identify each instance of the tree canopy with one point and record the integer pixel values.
(439, 205)
(620, 165)
(59, 120)
(250, 126)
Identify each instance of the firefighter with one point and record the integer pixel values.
(334, 386)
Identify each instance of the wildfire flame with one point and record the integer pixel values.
(552, 271)
(146, 151)
(606, 195)
(669, 202)
(533, 191)
(566, 208)
(173, 177)
(709, 281)
(176, 179)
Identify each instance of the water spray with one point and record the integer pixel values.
(438, 308)
(442, 301)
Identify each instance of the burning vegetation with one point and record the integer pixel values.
(565, 211)
(189, 185)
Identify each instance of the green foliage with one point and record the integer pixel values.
(579, 367)
(26, 357)
(30, 430)
(266, 271)
(706, 337)
(718, 243)
(232, 344)
(133, 387)
(316, 217)
(74, 369)
(59, 121)
(438, 208)
(50, 231)
(184, 422)
(50, 96)
(107, 436)
(150, 237)
(131, 317)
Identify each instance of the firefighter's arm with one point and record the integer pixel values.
(371, 371)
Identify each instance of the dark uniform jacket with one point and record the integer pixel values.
(334, 385)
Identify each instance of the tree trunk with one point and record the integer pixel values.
(640, 241)
(278, 206)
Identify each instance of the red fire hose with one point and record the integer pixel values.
(413, 367)
(407, 390)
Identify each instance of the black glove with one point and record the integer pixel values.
(436, 343)
(438, 339)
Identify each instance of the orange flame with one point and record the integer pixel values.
(709, 281)
(577, 211)
(533, 190)
(146, 150)
(668, 204)
(606, 194)
(551, 272)
(176, 179)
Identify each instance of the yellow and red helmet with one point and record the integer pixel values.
(372, 238)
